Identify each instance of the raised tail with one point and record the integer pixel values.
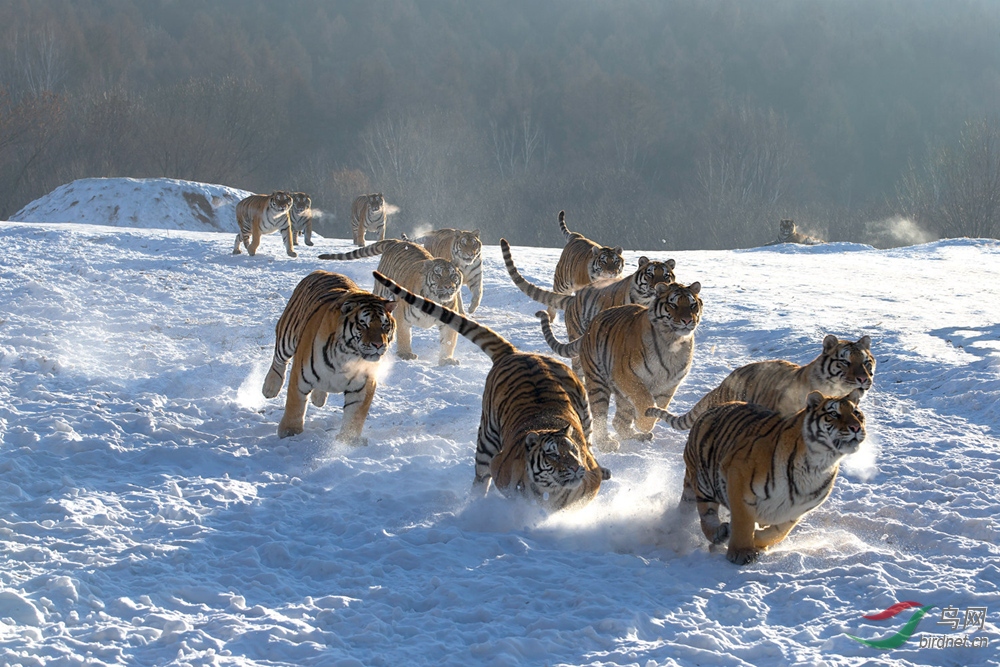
(682, 422)
(372, 250)
(562, 225)
(568, 350)
(538, 294)
(489, 341)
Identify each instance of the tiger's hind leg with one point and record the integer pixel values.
(487, 445)
(716, 531)
(275, 377)
(599, 397)
(240, 239)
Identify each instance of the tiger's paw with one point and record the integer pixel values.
(353, 440)
(642, 437)
(450, 361)
(406, 356)
(287, 430)
(742, 556)
(608, 445)
(310, 243)
(721, 533)
(293, 254)
(605, 474)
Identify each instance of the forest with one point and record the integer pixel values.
(681, 124)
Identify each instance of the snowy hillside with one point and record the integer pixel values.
(149, 515)
(161, 203)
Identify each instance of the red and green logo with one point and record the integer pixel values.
(898, 639)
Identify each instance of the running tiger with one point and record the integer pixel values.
(335, 333)
(639, 288)
(368, 215)
(780, 385)
(535, 424)
(436, 279)
(769, 470)
(258, 215)
(464, 250)
(638, 354)
(301, 217)
(787, 233)
(583, 262)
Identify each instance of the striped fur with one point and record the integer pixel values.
(780, 385)
(464, 250)
(258, 215)
(335, 334)
(368, 215)
(412, 266)
(535, 424)
(787, 233)
(639, 355)
(769, 470)
(583, 262)
(300, 217)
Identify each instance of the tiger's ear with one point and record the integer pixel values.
(829, 342)
(865, 343)
(643, 261)
(814, 399)
(532, 439)
(661, 288)
(595, 250)
(390, 306)
(695, 287)
(670, 264)
(619, 250)
(568, 432)
(475, 232)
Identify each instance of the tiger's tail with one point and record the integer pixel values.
(682, 422)
(568, 350)
(372, 250)
(540, 295)
(562, 226)
(489, 341)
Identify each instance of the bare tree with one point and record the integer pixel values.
(39, 60)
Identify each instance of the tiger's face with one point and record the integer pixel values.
(847, 366)
(678, 308)
(467, 247)
(441, 281)
(649, 275)
(301, 202)
(606, 263)
(555, 461)
(368, 326)
(280, 201)
(786, 228)
(835, 423)
(375, 202)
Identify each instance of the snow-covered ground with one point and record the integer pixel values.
(149, 514)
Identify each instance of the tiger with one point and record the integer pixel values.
(583, 262)
(766, 468)
(300, 217)
(639, 354)
(787, 233)
(434, 278)
(257, 215)
(368, 215)
(581, 307)
(464, 250)
(534, 430)
(783, 386)
(336, 334)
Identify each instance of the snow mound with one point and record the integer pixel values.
(162, 203)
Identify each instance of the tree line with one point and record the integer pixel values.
(656, 123)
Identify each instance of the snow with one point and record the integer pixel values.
(149, 514)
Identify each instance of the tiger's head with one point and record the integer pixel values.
(301, 202)
(676, 307)
(280, 201)
(375, 202)
(845, 366)
(786, 228)
(834, 423)
(647, 277)
(605, 263)
(467, 247)
(442, 280)
(367, 326)
(556, 462)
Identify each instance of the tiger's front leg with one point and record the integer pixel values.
(359, 236)
(293, 421)
(742, 523)
(599, 398)
(771, 535)
(403, 349)
(308, 235)
(449, 339)
(289, 239)
(475, 284)
(356, 405)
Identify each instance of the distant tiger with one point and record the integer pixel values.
(258, 215)
(464, 250)
(787, 233)
(582, 307)
(583, 262)
(535, 424)
(436, 279)
(301, 217)
(781, 385)
(768, 469)
(638, 354)
(368, 215)
(336, 334)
